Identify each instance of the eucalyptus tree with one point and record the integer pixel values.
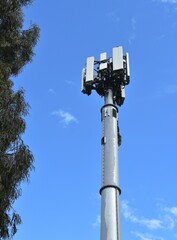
(16, 159)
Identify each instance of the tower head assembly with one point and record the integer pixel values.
(107, 73)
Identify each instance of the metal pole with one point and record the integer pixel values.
(110, 191)
(108, 77)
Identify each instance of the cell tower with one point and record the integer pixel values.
(108, 77)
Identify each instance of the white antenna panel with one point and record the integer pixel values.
(102, 58)
(128, 65)
(117, 57)
(122, 88)
(83, 79)
(90, 69)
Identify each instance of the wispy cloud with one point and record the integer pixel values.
(65, 117)
(170, 217)
(133, 23)
(97, 221)
(167, 90)
(169, 221)
(130, 215)
(172, 210)
(172, 2)
(165, 222)
(144, 236)
(51, 91)
(69, 82)
(133, 33)
(113, 16)
(169, 1)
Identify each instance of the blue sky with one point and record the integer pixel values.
(64, 127)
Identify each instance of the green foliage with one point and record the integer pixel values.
(16, 160)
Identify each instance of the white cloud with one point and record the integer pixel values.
(132, 38)
(133, 23)
(170, 217)
(170, 222)
(133, 26)
(113, 15)
(51, 90)
(167, 90)
(172, 210)
(97, 221)
(172, 2)
(69, 82)
(127, 211)
(65, 117)
(169, 1)
(165, 222)
(143, 236)
(149, 223)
